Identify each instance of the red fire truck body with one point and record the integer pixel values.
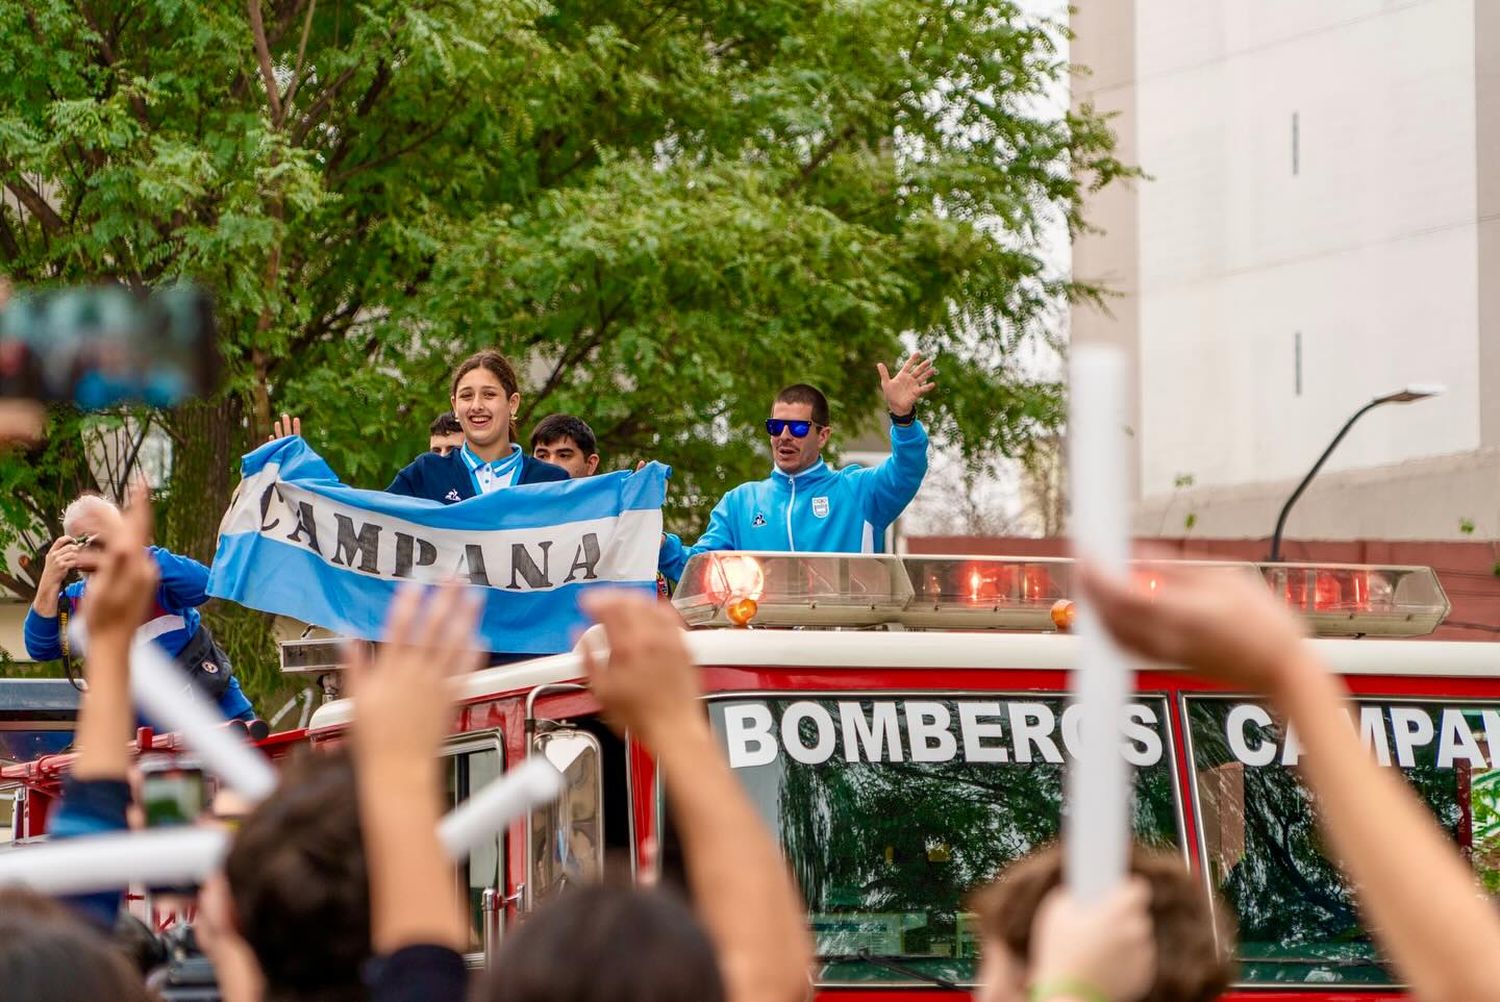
(901, 767)
(905, 732)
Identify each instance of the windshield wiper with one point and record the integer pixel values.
(863, 955)
(1315, 961)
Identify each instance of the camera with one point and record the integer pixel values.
(103, 345)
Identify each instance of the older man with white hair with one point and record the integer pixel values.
(173, 622)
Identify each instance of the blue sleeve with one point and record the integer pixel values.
(41, 633)
(405, 483)
(92, 807)
(184, 581)
(886, 490)
(418, 973)
(718, 536)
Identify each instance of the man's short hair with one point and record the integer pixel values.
(1194, 941)
(801, 393)
(445, 424)
(299, 884)
(556, 427)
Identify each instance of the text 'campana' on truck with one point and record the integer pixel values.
(903, 725)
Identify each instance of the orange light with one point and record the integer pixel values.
(734, 576)
(741, 611)
(1063, 613)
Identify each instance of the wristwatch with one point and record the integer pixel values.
(903, 420)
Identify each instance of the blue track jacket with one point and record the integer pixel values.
(174, 620)
(820, 510)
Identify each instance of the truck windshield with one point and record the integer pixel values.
(892, 809)
(1264, 853)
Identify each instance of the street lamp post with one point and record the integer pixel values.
(1418, 391)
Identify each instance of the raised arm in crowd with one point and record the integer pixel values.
(1420, 899)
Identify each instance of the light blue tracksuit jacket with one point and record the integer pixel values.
(820, 510)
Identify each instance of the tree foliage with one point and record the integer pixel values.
(666, 210)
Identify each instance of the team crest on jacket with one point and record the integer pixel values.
(820, 507)
(758, 521)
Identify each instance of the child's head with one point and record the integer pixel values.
(607, 944)
(1193, 940)
(300, 890)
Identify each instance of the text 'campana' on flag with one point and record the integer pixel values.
(296, 542)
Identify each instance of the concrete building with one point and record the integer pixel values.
(1321, 226)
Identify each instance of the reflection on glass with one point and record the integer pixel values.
(891, 811)
(1297, 920)
(567, 837)
(465, 773)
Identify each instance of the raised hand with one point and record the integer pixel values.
(1107, 947)
(62, 557)
(284, 426)
(403, 702)
(911, 383)
(1219, 623)
(648, 684)
(121, 591)
(403, 709)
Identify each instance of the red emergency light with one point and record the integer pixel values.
(1034, 594)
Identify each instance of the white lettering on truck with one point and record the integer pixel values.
(1393, 735)
(922, 730)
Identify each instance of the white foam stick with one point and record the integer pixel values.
(165, 696)
(115, 861)
(530, 784)
(1097, 838)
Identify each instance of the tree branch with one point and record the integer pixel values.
(831, 144)
(579, 351)
(32, 199)
(395, 154)
(291, 90)
(263, 56)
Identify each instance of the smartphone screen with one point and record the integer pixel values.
(99, 346)
(173, 796)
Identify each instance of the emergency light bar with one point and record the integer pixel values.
(1003, 593)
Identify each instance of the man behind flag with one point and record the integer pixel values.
(296, 542)
(805, 505)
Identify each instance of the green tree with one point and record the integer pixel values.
(666, 210)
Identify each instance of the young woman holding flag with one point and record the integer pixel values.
(485, 395)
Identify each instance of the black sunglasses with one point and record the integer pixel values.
(799, 429)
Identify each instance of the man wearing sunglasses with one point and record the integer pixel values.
(807, 506)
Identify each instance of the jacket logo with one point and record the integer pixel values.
(820, 507)
(452, 496)
(758, 521)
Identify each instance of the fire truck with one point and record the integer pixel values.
(903, 725)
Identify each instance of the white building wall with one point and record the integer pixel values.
(1369, 249)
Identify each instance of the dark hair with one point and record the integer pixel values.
(48, 955)
(801, 393)
(299, 885)
(607, 944)
(1193, 940)
(500, 368)
(444, 424)
(555, 427)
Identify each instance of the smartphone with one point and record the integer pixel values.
(173, 792)
(103, 345)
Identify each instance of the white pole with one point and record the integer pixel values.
(110, 862)
(168, 698)
(1097, 836)
(532, 783)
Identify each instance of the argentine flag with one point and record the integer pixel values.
(298, 543)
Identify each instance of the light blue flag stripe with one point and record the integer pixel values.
(265, 562)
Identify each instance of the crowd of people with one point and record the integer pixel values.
(336, 887)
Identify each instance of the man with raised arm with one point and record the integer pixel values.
(805, 505)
